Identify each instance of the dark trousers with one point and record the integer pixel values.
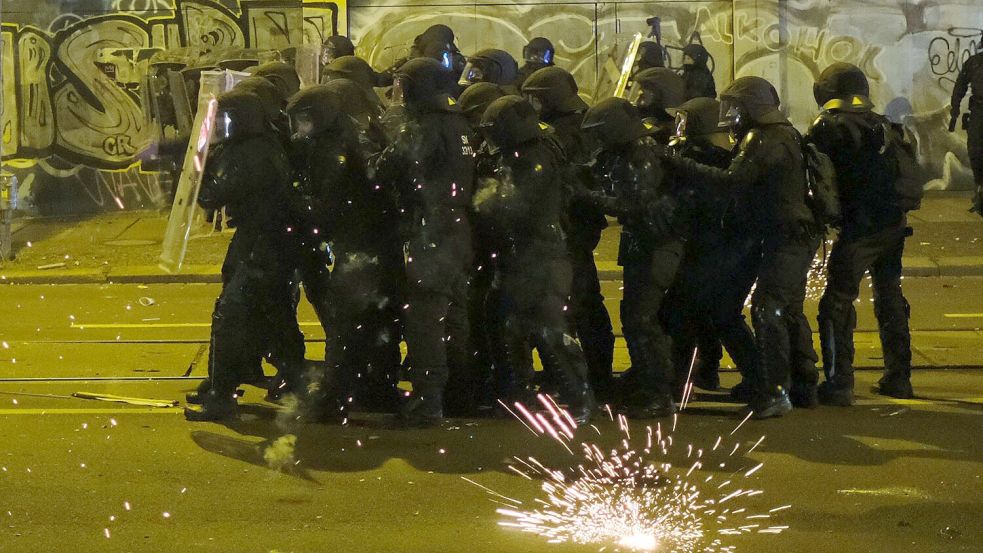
(254, 318)
(974, 143)
(850, 260)
(591, 319)
(648, 274)
(436, 317)
(707, 303)
(782, 333)
(535, 288)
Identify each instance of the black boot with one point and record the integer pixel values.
(896, 386)
(770, 405)
(213, 408)
(423, 409)
(804, 396)
(658, 406)
(833, 394)
(197, 396)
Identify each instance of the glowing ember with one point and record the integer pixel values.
(634, 497)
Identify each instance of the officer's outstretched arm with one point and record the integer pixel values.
(744, 170)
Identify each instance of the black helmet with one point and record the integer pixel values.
(352, 68)
(239, 114)
(650, 54)
(314, 110)
(539, 50)
(840, 81)
(281, 74)
(421, 83)
(556, 89)
(614, 121)
(665, 88)
(697, 53)
(750, 100)
(476, 98)
(436, 33)
(509, 122)
(335, 47)
(357, 102)
(268, 93)
(490, 66)
(698, 117)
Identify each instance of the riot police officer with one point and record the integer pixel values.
(720, 262)
(696, 73)
(654, 92)
(971, 76)
(768, 176)
(483, 299)
(554, 93)
(629, 172)
(430, 166)
(357, 221)
(871, 237)
(536, 55)
(526, 202)
(490, 66)
(249, 175)
(282, 75)
(650, 55)
(334, 47)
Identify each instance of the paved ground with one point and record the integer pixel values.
(904, 475)
(84, 475)
(124, 247)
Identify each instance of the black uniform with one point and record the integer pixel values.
(357, 221)
(524, 197)
(768, 178)
(698, 77)
(871, 237)
(483, 298)
(431, 167)
(971, 76)
(249, 175)
(555, 90)
(629, 172)
(720, 262)
(539, 53)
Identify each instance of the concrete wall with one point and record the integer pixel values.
(74, 133)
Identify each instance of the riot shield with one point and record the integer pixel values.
(182, 216)
(617, 66)
(308, 64)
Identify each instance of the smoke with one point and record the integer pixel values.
(280, 454)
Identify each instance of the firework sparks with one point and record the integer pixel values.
(633, 497)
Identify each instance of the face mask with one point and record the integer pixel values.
(301, 126)
(536, 103)
(398, 97)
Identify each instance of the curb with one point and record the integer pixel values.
(914, 267)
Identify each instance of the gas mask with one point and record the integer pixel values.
(640, 96)
(679, 136)
(302, 126)
(734, 116)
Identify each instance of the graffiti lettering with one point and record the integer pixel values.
(946, 54)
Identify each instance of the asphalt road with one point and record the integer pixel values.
(84, 475)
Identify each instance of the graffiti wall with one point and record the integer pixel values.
(74, 118)
(74, 124)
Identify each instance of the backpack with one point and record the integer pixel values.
(900, 153)
(822, 193)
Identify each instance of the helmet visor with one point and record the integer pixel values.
(534, 101)
(398, 96)
(544, 57)
(640, 96)
(223, 128)
(732, 114)
(473, 73)
(681, 119)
